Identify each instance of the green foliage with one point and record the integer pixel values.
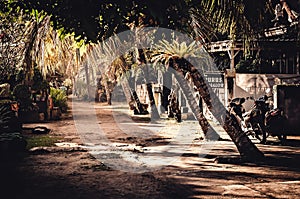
(38, 81)
(40, 141)
(21, 92)
(8, 121)
(59, 98)
(12, 31)
(11, 144)
(97, 20)
(169, 51)
(5, 117)
(247, 65)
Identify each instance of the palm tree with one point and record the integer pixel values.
(115, 68)
(141, 61)
(175, 55)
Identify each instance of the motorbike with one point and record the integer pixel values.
(254, 120)
(261, 121)
(275, 122)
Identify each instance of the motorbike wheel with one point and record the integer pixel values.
(260, 134)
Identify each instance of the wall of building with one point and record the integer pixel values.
(256, 85)
(287, 98)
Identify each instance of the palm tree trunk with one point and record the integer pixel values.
(131, 97)
(27, 61)
(140, 107)
(208, 132)
(107, 91)
(141, 59)
(154, 111)
(244, 145)
(127, 92)
(87, 76)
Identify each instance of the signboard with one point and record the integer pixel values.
(216, 82)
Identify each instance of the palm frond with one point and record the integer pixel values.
(5, 116)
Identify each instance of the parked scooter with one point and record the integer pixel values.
(275, 124)
(260, 122)
(254, 120)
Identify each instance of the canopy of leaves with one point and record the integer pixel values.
(12, 31)
(97, 20)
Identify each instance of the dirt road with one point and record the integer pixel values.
(70, 171)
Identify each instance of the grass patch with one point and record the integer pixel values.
(40, 141)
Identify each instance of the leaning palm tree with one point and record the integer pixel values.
(141, 60)
(175, 55)
(115, 68)
(238, 19)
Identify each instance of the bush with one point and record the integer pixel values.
(11, 143)
(23, 96)
(249, 65)
(5, 117)
(59, 98)
(8, 120)
(21, 92)
(11, 139)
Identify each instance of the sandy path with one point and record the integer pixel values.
(77, 174)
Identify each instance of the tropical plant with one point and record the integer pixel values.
(11, 139)
(59, 98)
(13, 23)
(176, 58)
(247, 65)
(166, 52)
(39, 83)
(8, 120)
(22, 95)
(234, 18)
(21, 92)
(175, 55)
(49, 50)
(5, 117)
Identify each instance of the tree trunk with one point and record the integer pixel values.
(244, 145)
(131, 97)
(208, 132)
(141, 60)
(154, 111)
(140, 108)
(126, 89)
(107, 91)
(27, 62)
(87, 75)
(127, 92)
